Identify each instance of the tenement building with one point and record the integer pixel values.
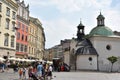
(8, 11)
(22, 30)
(36, 39)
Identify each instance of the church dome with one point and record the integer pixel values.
(102, 30)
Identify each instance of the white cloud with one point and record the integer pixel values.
(70, 5)
(64, 26)
(113, 19)
(77, 5)
(57, 30)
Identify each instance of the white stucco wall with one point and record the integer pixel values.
(100, 43)
(83, 62)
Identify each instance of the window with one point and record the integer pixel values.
(108, 47)
(12, 41)
(7, 11)
(7, 23)
(26, 38)
(6, 40)
(90, 58)
(21, 48)
(26, 29)
(13, 15)
(13, 26)
(22, 37)
(18, 35)
(22, 27)
(0, 20)
(18, 24)
(0, 7)
(17, 46)
(29, 50)
(25, 48)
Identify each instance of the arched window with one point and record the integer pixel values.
(12, 41)
(6, 39)
(0, 7)
(13, 26)
(0, 20)
(7, 23)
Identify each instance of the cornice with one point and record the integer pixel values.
(11, 4)
(7, 48)
(22, 19)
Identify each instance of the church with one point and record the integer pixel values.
(90, 52)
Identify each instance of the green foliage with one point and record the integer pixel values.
(112, 59)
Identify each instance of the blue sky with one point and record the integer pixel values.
(60, 18)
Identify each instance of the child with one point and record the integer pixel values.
(24, 72)
(20, 73)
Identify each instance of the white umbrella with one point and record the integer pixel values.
(18, 59)
(27, 60)
(2, 59)
(49, 62)
(12, 58)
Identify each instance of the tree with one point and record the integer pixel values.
(112, 59)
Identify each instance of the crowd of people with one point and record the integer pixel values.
(35, 71)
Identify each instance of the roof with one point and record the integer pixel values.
(100, 16)
(85, 48)
(101, 30)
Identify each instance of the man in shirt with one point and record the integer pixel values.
(39, 70)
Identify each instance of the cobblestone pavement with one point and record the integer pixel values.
(81, 75)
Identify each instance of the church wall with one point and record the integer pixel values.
(83, 62)
(100, 43)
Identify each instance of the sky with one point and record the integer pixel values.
(60, 18)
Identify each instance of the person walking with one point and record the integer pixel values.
(20, 73)
(24, 72)
(39, 70)
(50, 71)
(30, 71)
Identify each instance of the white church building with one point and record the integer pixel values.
(91, 52)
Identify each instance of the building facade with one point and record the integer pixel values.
(8, 11)
(32, 37)
(36, 39)
(40, 40)
(91, 52)
(106, 44)
(22, 30)
(66, 50)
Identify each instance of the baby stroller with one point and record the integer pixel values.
(33, 76)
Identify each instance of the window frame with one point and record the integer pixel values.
(0, 20)
(7, 23)
(13, 26)
(17, 47)
(0, 7)
(6, 39)
(12, 41)
(13, 15)
(18, 35)
(7, 11)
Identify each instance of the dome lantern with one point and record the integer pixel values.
(100, 20)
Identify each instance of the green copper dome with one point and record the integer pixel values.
(101, 30)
